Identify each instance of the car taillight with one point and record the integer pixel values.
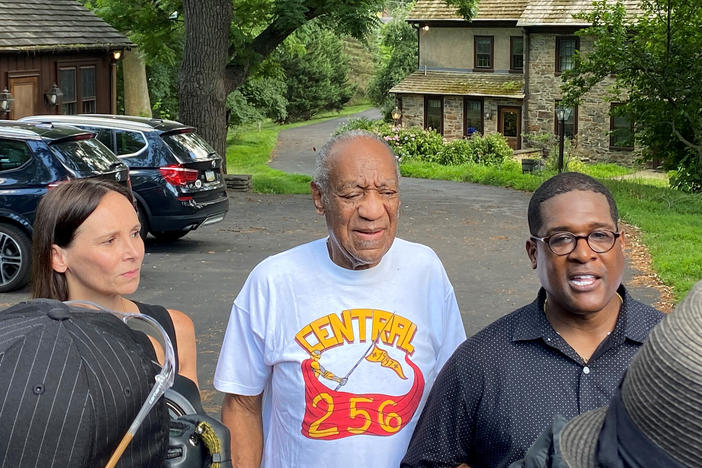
(177, 175)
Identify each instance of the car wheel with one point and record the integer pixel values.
(143, 221)
(15, 258)
(169, 236)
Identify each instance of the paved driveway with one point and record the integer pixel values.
(478, 231)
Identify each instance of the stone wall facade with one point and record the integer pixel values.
(412, 110)
(453, 117)
(544, 89)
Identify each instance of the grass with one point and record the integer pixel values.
(671, 221)
(249, 151)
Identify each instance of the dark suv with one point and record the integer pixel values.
(176, 176)
(33, 159)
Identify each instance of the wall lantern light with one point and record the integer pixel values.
(396, 114)
(54, 95)
(5, 101)
(425, 27)
(488, 115)
(117, 54)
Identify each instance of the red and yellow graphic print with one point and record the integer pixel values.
(372, 337)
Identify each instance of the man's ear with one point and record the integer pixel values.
(622, 240)
(59, 261)
(531, 252)
(317, 198)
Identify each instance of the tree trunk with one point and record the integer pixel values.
(136, 91)
(202, 91)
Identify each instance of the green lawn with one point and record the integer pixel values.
(249, 151)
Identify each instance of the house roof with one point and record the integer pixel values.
(54, 25)
(525, 12)
(503, 10)
(462, 84)
(560, 12)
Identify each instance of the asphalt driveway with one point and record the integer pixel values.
(478, 232)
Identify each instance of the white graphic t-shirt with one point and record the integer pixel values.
(345, 358)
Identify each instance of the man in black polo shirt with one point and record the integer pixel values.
(563, 354)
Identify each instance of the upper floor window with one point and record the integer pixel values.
(516, 54)
(565, 50)
(570, 127)
(621, 135)
(483, 52)
(434, 113)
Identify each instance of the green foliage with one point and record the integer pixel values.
(162, 79)
(397, 58)
(316, 74)
(257, 99)
(429, 146)
(688, 176)
(657, 68)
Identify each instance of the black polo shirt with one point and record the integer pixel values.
(502, 387)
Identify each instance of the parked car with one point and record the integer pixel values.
(33, 159)
(176, 176)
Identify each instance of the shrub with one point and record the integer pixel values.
(688, 176)
(417, 144)
(456, 152)
(491, 149)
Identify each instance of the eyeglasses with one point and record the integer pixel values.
(563, 243)
(164, 380)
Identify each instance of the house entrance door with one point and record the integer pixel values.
(24, 91)
(509, 124)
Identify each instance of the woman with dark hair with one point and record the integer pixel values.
(87, 247)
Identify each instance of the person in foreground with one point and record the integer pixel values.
(563, 354)
(72, 382)
(654, 419)
(332, 345)
(86, 246)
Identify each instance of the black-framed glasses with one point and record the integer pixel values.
(563, 243)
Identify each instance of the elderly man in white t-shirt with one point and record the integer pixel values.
(332, 346)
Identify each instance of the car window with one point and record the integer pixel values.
(85, 156)
(13, 154)
(104, 135)
(189, 146)
(127, 142)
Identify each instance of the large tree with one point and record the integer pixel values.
(225, 41)
(656, 60)
(253, 29)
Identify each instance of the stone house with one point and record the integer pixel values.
(56, 57)
(501, 72)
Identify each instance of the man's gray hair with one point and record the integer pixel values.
(321, 167)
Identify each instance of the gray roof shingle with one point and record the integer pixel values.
(487, 10)
(525, 12)
(54, 25)
(560, 12)
(462, 84)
